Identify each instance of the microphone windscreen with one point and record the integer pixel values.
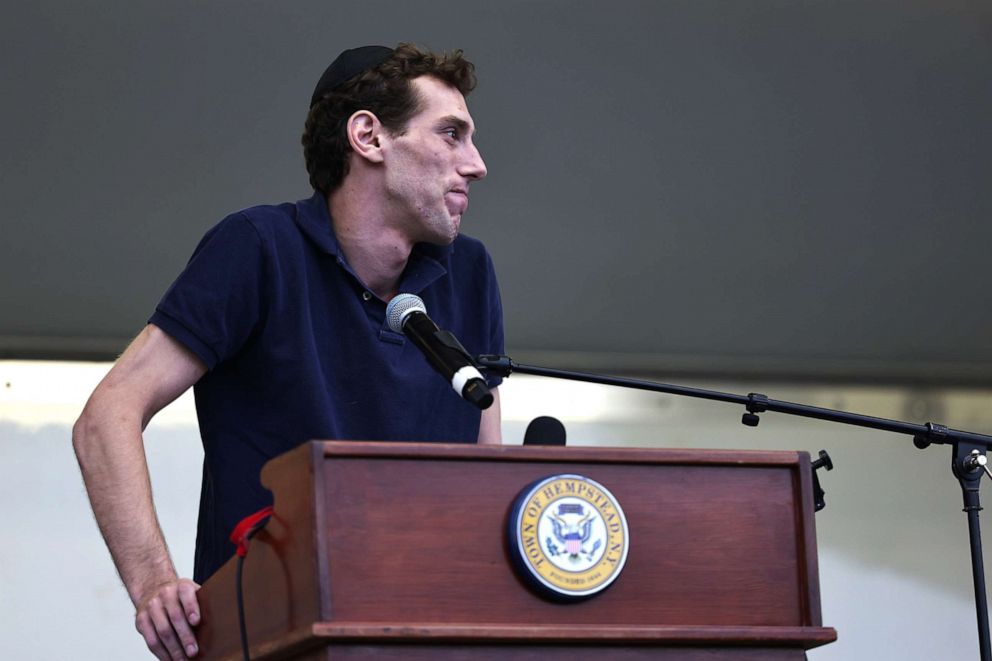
(545, 430)
(400, 307)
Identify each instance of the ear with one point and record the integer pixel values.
(364, 130)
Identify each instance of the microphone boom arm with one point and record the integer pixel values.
(923, 435)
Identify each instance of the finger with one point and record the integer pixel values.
(163, 627)
(143, 623)
(187, 597)
(177, 618)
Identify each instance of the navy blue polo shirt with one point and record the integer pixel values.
(297, 348)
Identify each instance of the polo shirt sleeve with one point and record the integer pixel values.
(215, 305)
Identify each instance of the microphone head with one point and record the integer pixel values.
(400, 307)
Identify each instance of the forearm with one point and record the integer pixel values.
(110, 450)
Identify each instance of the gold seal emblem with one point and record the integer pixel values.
(568, 536)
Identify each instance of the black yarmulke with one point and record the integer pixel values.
(349, 64)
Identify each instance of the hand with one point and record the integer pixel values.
(165, 619)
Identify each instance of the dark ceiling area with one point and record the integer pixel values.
(779, 189)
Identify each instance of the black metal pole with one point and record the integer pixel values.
(967, 465)
(978, 577)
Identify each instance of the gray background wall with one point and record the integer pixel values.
(798, 188)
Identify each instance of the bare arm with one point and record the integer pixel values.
(153, 371)
(490, 431)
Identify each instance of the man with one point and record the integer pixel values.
(279, 321)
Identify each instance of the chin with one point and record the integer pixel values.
(440, 227)
(446, 232)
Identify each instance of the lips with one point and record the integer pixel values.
(457, 200)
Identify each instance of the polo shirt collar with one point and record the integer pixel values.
(314, 220)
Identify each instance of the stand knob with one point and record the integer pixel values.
(824, 461)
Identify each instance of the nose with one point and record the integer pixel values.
(473, 167)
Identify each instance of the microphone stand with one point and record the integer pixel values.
(967, 448)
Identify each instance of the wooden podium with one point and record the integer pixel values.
(398, 551)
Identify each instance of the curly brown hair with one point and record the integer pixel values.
(385, 91)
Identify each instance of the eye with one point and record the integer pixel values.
(451, 133)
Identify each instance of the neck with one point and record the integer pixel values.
(374, 250)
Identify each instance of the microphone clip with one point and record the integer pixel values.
(502, 365)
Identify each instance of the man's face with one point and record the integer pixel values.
(429, 167)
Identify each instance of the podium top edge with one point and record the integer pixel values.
(638, 455)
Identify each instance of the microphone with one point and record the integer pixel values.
(407, 314)
(545, 430)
